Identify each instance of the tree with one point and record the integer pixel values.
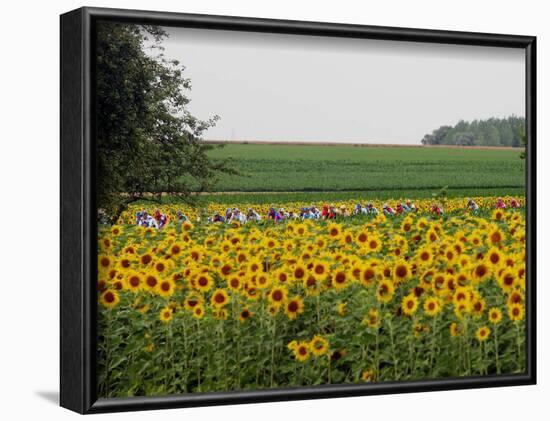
(147, 140)
(493, 137)
(464, 139)
(490, 132)
(437, 136)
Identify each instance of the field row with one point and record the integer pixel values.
(345, 168)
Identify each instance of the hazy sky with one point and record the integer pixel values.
(289, 87)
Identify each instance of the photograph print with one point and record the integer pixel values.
(286, 211)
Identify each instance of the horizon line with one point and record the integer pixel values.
(355, 144)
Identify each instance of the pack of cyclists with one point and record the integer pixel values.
(159, 220)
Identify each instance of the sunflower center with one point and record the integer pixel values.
(401, 271)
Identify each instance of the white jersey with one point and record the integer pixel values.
(150, 222)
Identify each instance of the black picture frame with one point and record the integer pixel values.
(78, 208)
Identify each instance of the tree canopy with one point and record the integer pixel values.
(491, 132)
(147, 140)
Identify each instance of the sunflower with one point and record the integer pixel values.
(166, 288)
(320, 270)
(422, 224)
(302, 351)
(262, 280)
(495, 236)
(516, 312)
(424, 256)
(432, 306)
(162, 266)
(299, 271)
(204, 282)
(300, 229)
(515, 297)
(225, 269)
(450, 255)
(219, 298)
(251, 292)
(409, 304)
(372, 319)
(116, 230)
(198, 311)
(294, 307)
(318, 345)
(334, 230)
(368, 275)
(109, 298)
(192, 300)
(273, 310)
(498, 215)
(134, 281)
(341, 308)
(278, 295)
(104, 262)
(494, 256)
(311, 285)
(494, 315)
(507, 280)
(407, 225)
(255, 266)
(196, 253)
(281, 276)
(367, 375)
(431, 236)
(234, 283)
(270, 243)
(186, 226)
(419, 329)
(401, 272)
(245, 315)
(220, 314)
(292, 345)
(151, 282)
(374, 244)
(105, 243)
(166, 314)
(175, 249)
(385, 291)
(321, 243)
(356, 269)
(482, 334)
(362, 238)
(478, 307)
(455, 329)
(481, 271)
(340, 279)
(462, 295)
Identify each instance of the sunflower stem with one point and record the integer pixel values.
(518, 345)
(186, 368)
(497, 362)
(432, 346)
(197, 324)
(393, 352)
(274, 327)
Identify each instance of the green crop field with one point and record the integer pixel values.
(371, 170)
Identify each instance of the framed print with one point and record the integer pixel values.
(256, 210)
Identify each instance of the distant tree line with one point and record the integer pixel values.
(492, 132)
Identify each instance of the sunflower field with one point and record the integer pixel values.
(216, 307)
